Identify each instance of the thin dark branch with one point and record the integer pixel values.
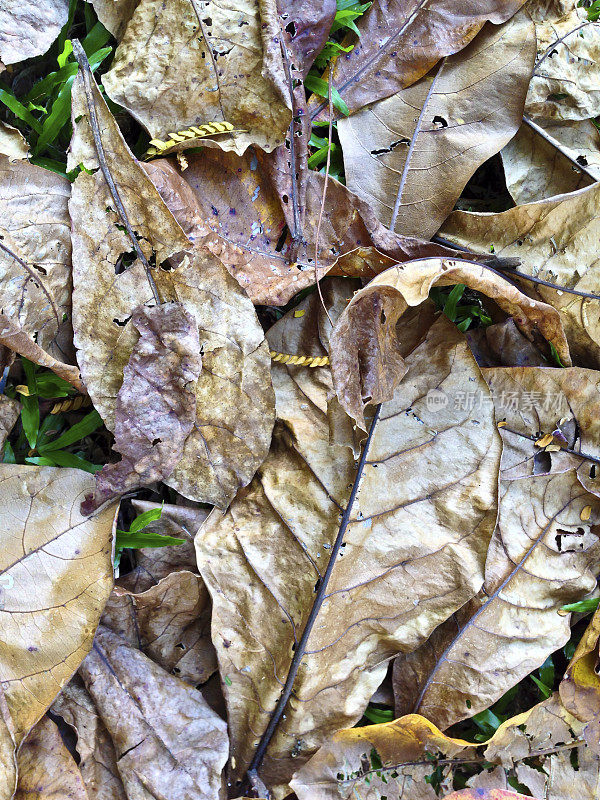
(508, 266)
(276, 715)
(557, 146)
(411, 147)
(579, 453)
(554, 44)
(88, 81)
(35, 277)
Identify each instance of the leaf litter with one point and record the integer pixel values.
(350, 547)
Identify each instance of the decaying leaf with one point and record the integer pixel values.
(535, 170)
(189, 62)
(12, 143)
(400, 42)
(8, 761)
(409, 526)
(170, 623)
(234, 398)
(97, 757)
(307, 22)
(544, 552)
(566, 79)
(580, 687)
(411, 154)
(56, 577)
(409, 756)
(115, 14)
(168, 741)
(156, 404)
(28, 29)
(366, 357)
(503, 344)
(46, 768)
(231, 206)
(9, 413)
(555, 241)
(36, 285)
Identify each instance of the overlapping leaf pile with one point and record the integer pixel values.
(365, 495)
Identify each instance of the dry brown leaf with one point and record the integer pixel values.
(366, 358)
(410, 525)
(115, 14)
(400, 42)
(169, 622)
(56, 577)
(397, 758)
(231, 206)
(449, 121)
(12, 143)
(234, 398)
(9, 413)
(8, 760)
(566, 80)
(186, 63)
(555, 240)
(168, 742)
(27, 29)
(503, 344)
(98, 760)
(47, 771)
(307, 23)
(156, 404)
(535, 170)
(543, 553)
(580, 687)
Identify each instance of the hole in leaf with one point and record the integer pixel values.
(437, 120)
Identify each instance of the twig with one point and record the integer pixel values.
(86, 72)
(328, 164)
(276, 715)
(35, 277)
(579, 453)
(411, 147)
(517, 273)
(551, 141)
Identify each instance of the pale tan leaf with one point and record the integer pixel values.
(168, 742)
(8, 759)
(553, 238)
(115, 14)
(535, 170)
(156, 404)
(566, 79)
(9, 413)
(543, 554)
(400, 42)
(28, 29)
(231, 205)
(12, 143)
(56, 577)
(169, 622)
(411, 524)
(47, 770)
(234, 398)
(188, 62)
(366, 358)
(448, 119)
(98, 760)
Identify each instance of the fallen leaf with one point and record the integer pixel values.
(28, 30)
(580, 687)
(187, 63)
(503, 344)
(307, 23)
(8, 760)
(56, 577)
(168, 742)
(9, 414)
(234, 398)
(46, 768)
(97, 757)
(448, 120)
(115, 14)
(552, 238)
(231, 206)
(535, 170)
(566, 78)
(170, 623)
(399, 43)
(156, 404)
(366, 361)
(12, 143)
(261, 560)
(485, 794)
(542, 555)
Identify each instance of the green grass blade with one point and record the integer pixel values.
(19, 110)
(142, 520)
(84, 427)
(145, 539)
(30, 418)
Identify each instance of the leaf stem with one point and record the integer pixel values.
(88, 78)
(580, 453)
(34, 277)
(314, 612)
